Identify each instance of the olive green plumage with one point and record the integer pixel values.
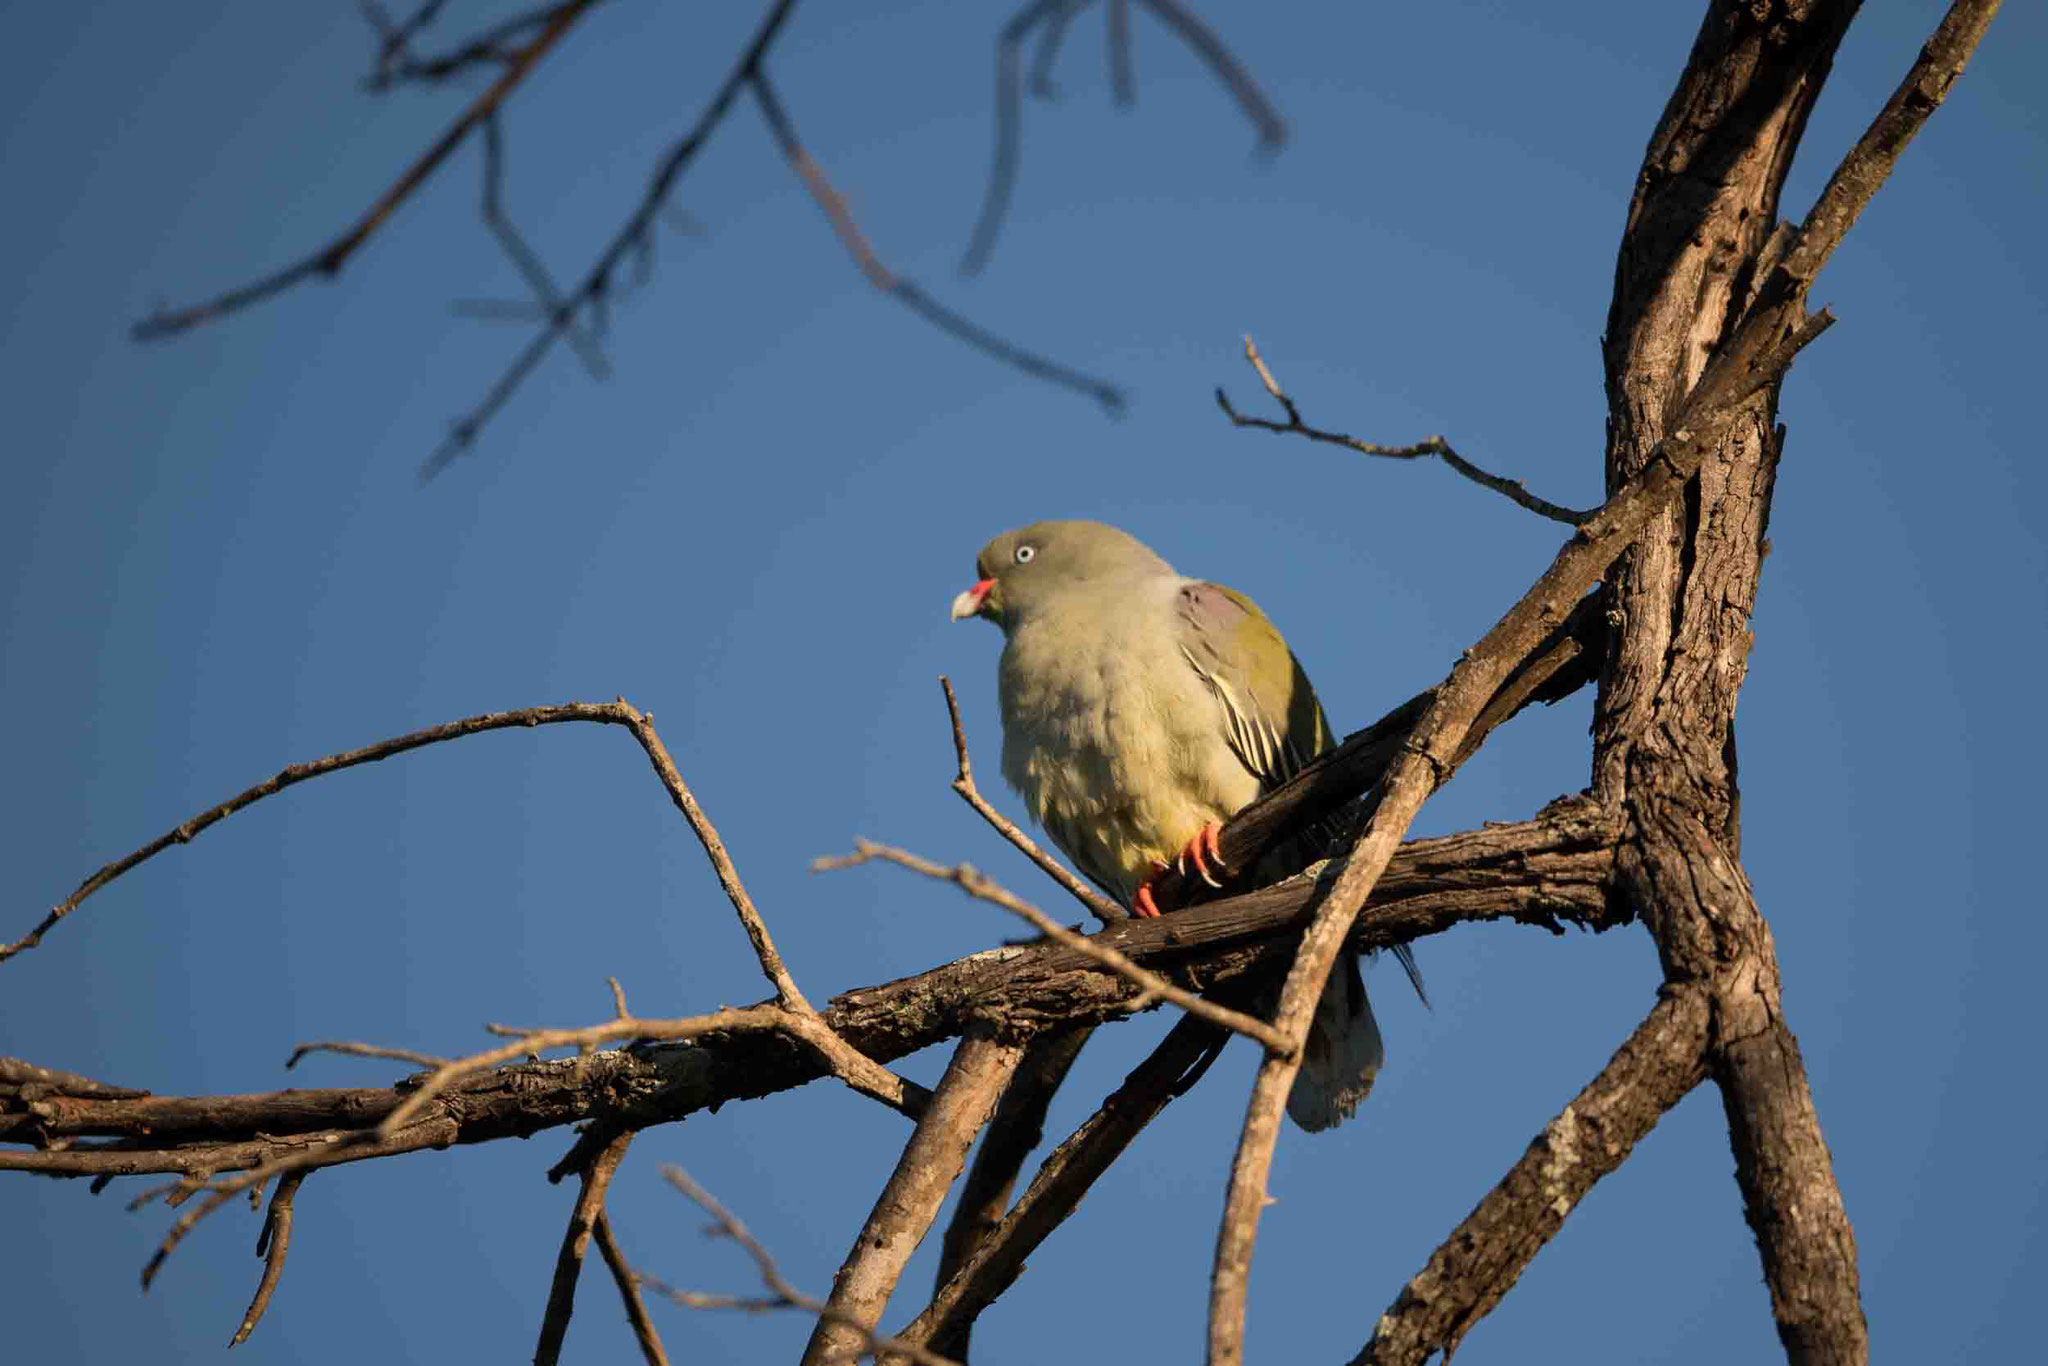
(1140, 706)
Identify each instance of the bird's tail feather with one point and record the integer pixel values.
(1342, 1055)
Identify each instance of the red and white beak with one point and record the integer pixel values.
(968, 604)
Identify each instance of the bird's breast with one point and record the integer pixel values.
(1116, 746)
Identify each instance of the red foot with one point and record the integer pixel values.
(1193, 853)
(1202, 851)
(1142, 904)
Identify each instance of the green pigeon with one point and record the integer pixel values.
(1141, 710)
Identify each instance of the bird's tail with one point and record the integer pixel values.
(1342, 1055)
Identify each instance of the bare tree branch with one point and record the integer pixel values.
(583, 1221)
(297, 773)
(1065, 1177)
(548, 304)
(903, 1213)
(1514, 489)
(1106, 909)
(406, 1125)
(1859, 176)
(396, 64)
(364, 1050)
(1152, 987)
(1566, 660)
(905, 291)
(1661, 1061)
(782, 1295)
(329, 260)
(1696, 269)
(629, 1293)
(1223, 64)
(27, 1083)
(804, 1023)
(1123, 79)
(1439, 738)
(1017, 1127)
(558, 315)
(1054, 16)
(271, 1245)
(1542, 872)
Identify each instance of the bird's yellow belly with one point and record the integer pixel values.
(1120, 792)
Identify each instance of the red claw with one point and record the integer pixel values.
(1142, 904)
(1202, 851)
(1193, 853)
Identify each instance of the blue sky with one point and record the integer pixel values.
(218, 561)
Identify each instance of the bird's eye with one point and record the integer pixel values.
(1025, 553)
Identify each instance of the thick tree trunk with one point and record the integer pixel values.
(1680, 601)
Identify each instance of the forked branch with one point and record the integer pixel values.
(781, 1294)
(1513, 489)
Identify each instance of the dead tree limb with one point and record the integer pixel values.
(583, 1220)
(1485, 1255)
(781, 1294)
(271, 1245)
(997, 1258)
(1546, 872)
(962, 1103)
(1446, 731)
(644, 1333)
(1017, 1127)
(1692, 266)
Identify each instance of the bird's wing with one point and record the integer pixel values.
(1275, 725)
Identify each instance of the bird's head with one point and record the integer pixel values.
(1020, 571)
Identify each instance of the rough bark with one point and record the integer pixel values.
(1594, 1134)
(1017, 1128)
(903, 1213)
(1692, 258)
(1545, 872)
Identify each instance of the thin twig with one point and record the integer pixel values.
(603, 712)
(721, 862)
(329, 260)
(397, 66)
(1223, 64)
(782, 1295)
(633, 239)
(905, 291)
(583, 1219)
(1054, 16)
(1053, 35)
(393, 40)
(1152, 986)
(629, 1293)
(860, 1072)
(1123, 77)
(364, 1050)
(271, 1244)
(546, 298)
(1513, 489)
(1106, 910)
